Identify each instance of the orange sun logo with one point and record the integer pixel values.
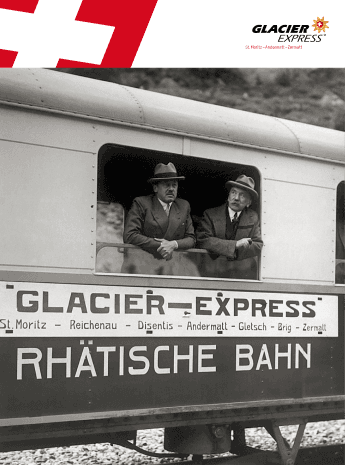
(320, 24)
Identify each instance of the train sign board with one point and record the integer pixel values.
(95, 342)
(55, 310)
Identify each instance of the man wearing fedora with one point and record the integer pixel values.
(159, 224)
(231, 233)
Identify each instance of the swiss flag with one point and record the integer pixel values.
(111, 30)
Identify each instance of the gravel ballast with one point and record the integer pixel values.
(321, 433)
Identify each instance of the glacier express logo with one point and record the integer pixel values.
(294, 32)
(320, 24)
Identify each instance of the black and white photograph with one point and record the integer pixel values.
(172, 266)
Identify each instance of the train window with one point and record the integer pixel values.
(123, 174)
(340, 236)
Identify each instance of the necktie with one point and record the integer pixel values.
(234, 218)
(167, 209)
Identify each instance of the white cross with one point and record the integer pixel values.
(50, 33)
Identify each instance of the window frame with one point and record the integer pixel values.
(213, 171)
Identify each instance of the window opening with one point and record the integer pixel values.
(110, 221)
(123, 174)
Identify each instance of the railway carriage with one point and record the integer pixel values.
(90, 354)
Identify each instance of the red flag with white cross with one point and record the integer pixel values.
(72, 33)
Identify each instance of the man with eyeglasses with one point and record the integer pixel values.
(231, 233)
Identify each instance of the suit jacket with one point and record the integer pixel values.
(146, 220)
(232, 263)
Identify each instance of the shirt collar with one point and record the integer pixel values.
(232, 213)
(164, 205)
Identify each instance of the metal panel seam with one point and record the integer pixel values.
(292, 132)
(137, 102)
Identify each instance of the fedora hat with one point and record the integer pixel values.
(165, 172)
(244, 182)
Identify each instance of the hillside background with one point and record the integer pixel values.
(314, 95)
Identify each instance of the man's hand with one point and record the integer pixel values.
(244, 243)
(166, 248)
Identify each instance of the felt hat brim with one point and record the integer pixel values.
(243, 186)
(169, 177)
